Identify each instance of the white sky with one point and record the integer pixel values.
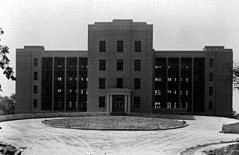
(62, 24)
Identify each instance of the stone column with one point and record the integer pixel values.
(125, 103)
(77, 87)
(53, 80)
(128, 96)
(65, 86)
(110, 103)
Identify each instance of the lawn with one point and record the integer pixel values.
(115, 123)
(228, 150)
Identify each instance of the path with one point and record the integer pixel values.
(40, 139)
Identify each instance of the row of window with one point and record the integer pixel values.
(73, 79)
(159, 92)
(119, 83)
(71, 90)
(72, 62)
(102, 102)
(182, 92)
(160, 79)
(120, 46)
(35, 77)
(185, 64)
(120, 65)
(59, 63)
(170, 105)
(70, 105)
(158, 65)
(59, 90)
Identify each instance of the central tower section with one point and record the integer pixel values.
(120, 66)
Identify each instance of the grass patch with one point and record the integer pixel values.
(115, 123)
(227, 150)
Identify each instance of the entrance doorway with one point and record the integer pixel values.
(118, 103)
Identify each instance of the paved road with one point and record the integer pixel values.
(40, 139)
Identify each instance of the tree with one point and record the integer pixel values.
(7, 104)
(4, 61)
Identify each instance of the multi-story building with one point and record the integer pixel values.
(121, 72)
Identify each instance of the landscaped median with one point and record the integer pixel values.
(216, 148)
(115, 123)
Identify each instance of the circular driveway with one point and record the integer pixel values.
(41, 139)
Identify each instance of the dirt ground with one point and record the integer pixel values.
(41, 139)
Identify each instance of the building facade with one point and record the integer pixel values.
(121, 72)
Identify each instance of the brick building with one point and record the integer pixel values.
(121, 72)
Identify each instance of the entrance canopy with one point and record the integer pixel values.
(118, 100)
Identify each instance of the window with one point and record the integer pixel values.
(184, 65)
(169, 79)
(102, 46)
(136, 102)
(101, 101)
(35, 75)
(119, 83)
(210, 63)
(210, 91)
(210, 105)
(210, 76)
(137, 65)
(47, 63)
(59, 90)
(137, 83)
(169, 105)
(35, 62)
(35, 89)
(120, 65)
(101, 83)
(157, 105)
(137, 46)
(158, 79)
(102, 65)
(35, 103)
(59, 63)
(120, 46)
(59, 79)
(157, 92)
(70, 104)
(71, 62)
(83, 64)
(160, 63)
(199, 63)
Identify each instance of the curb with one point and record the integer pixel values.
(4, 118)
(102, 129)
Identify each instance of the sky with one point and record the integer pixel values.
(63, 24)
